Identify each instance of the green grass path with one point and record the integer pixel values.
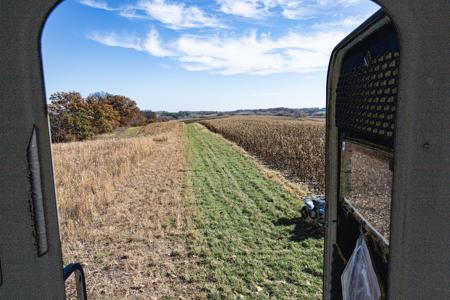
(247, 233)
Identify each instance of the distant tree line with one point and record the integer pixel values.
(150, 116)
(74, 118)
(276, 111)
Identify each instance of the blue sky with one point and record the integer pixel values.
(198, 55)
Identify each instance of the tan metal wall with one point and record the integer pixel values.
(25, 275)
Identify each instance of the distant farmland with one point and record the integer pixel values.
(296, 147)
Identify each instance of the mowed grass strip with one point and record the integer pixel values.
(248, 237)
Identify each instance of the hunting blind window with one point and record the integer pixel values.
(365, 108)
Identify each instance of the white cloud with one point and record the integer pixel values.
(151, 43)
(290, 9)
(132, 13)
(113, 40)
(174, 15)
(304, 51)
(253, 8)
(177, 15)
(347, 24)
(97, 4)
(298, 9)
(250, 53)
(258, 54)
(243, 8)
(300, 12)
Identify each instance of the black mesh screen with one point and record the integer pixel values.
(366, 98)
(366, 94)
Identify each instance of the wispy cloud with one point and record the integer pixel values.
(99, 4)
(177, 15)
(250, 53)
(298, 9)
(151, 43)
(290, 9)
(258, 53)
(172, 14)
(114, 40)
(305, 50)
(244, 8)
(346, 23)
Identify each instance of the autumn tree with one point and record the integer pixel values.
(129, 112)
(106, 118)
(70, 117)
(81, 126)
(74, 118)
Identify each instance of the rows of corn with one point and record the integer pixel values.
(294, 146)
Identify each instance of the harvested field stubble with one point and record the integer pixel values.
(88, 172)
(294, 146)
(159, 128)
(122, 214)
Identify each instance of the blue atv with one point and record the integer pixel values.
(314, 209)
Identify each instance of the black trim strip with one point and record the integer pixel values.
(37, 199)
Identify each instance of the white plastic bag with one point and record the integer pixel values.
(359, 281)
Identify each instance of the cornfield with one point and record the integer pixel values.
(295, 147)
